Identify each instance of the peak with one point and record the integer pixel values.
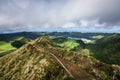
(44, 41)
(43, 38)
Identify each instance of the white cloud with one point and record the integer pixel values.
(70, 25)
(48, 14)
(95, 23)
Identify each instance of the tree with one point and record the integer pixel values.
(17, 44)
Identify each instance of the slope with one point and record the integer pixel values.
(107, 49)
(42, 59)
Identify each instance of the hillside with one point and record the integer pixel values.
(42, 59)
(29, 63)
(34, 35)
(12, 36)
(5, 48)
(107, 49)
(16, 40)
(66, 43)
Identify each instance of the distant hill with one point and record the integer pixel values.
(107, 49)
(20, 38)
(34, 35)
(42, 59)
(66, 43)
(69, 43)
(11, 36)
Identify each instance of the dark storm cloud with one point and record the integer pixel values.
(59, 14)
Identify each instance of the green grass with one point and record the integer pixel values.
(6, 52)
(70, 44)
(97, 37)
(5, 48)
(19, 38)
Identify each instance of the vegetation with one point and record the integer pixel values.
(70, 44)
(17, 44)
(5, 48)
(35, 59)
(107, 49)
(6, 52)
(29, 63)
(34, 35)
(19, 41)
(97, 37)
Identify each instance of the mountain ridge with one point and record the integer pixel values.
(40, 65)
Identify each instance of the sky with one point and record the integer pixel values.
(60, 15)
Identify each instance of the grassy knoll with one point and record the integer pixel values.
(70, 44)
(5, 48)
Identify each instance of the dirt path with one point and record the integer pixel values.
(62, 65)
(42, 50)
(73, 70)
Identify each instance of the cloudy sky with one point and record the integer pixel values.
(60, 15)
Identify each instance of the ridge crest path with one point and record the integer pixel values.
(70, 68)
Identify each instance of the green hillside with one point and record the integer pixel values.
(66, 43)
(97, 37)
(42, 59)
(19, 41)
(69, 44)
(107, 49)
(5, 48)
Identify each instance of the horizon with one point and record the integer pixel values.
(95, 16)
(57, 32)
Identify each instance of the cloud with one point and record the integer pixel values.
(44, 15)
(94, 22)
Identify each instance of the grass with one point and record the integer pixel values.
(5, 48)
(19, 38)
(97, 37)
(70, 44)
(6, 52)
